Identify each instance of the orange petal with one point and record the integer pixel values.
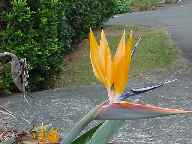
(128, 55)
(121, 64)
(94, 56)
(105, 60)
(42, 136)
(53, 136)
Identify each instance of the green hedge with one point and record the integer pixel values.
(83, 14)
(43, 31)
(39, 44)
(124, 6)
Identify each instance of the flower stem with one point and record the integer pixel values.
(68, 139)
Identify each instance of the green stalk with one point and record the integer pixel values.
(75, 131)
(106, 131)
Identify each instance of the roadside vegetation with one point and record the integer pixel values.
(44, 31)
(47, 31)
(124, 6)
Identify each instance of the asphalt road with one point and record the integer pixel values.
(178, 20)
(62, 108)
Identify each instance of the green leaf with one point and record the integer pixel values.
(86, 136)
(116, 113)
(106, 131)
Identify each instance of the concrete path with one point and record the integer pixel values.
(178, 20)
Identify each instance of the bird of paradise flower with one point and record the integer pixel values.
(112, 72)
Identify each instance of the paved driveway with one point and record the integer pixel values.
(63, 107)
(178, 20)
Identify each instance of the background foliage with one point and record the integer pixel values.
(82, 14)
(43, 31)
(123, 6)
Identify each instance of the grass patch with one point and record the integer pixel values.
(156, 51)
(124, 6)
(141, 5)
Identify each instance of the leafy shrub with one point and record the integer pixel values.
(66, 35)
(43, 31)
(39, 45)
(122, 6)
(83, 14)
(6, 82)
(17, 35)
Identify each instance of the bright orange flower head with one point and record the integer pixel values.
(112, 72)
(53, 136)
